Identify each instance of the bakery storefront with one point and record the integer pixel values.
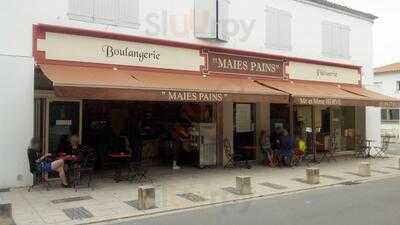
(123, 93)
(326, 102)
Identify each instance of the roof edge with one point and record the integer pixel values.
(341, 8)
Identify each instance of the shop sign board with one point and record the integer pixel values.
(191, 96)
(217, 62)
(323, 73)
(85, 49)
(389, 104)
(317, 101)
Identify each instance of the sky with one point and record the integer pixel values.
(386, 27)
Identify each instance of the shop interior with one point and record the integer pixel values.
(326, 122)
(153, 133)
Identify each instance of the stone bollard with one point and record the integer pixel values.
(243, 185)
(146, 197)
(312, 175)
(364, 169)
(6, 214)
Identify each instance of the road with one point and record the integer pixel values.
(371, 203)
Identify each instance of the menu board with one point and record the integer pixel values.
(243, 118)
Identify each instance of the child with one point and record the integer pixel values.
(300, 150)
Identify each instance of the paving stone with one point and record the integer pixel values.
(192, 197)
(79, 213)
(273, 186)
(73, 199)
(333, 177)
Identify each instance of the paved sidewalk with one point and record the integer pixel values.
(109, 201)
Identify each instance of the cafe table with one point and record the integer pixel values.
(120, 160)
(247, 150)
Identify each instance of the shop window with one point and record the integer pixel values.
(335, 40)
(278, 29)
(211, 19)
(384, 114)
(390, 114)
(111, 12)
(393, 114)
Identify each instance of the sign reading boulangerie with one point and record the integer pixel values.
(245, 65)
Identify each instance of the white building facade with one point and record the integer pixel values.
(387, 82)
(315, 30)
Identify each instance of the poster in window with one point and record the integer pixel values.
(243, 118)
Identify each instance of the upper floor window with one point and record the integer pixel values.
(111, 12)
(278, 29)
(212, 19)
(397, 85)
(335, 40)
(390, 114)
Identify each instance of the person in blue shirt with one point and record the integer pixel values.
(286, 148)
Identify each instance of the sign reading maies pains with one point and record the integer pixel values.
(224, 63)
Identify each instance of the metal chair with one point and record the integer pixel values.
(38, 177)
(138, 172)
(329, 153)
(85, 167)
(230, 155)
(360, 148)
(381, 151)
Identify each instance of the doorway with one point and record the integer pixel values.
(244, 130)
(64, 121)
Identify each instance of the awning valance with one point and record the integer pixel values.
(111, 84)
(309, 93)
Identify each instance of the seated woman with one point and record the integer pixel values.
(44, 164)
(74, 145)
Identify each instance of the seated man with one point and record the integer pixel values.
(43, 164)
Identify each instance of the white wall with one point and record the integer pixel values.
(16, 91)
(16, 119)
(17, 64)
(388, 84)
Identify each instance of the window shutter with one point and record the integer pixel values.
(271, 25)
(80, 10)
(129, 13)
(105, 11)
(278, 29)
(335, 40)
(326, 38)
(285, 31)
(223, 19)
(205, 18)
(346, 42)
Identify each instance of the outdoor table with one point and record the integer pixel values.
(70, 161)
(121, 159)
(247, 149)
